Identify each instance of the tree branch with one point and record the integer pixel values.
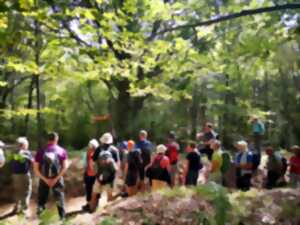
(242, 13)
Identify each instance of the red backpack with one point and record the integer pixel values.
(172, 152)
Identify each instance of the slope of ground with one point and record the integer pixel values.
(207, 204)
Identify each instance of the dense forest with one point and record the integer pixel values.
(84, 67)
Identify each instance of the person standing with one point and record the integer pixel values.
(50, 165)
(89, 172)
(145, 147)
(173, 154)
(106, 144)
(274, 167)
(132, 168)
(294, 163)
(106, 169)
(159, 169)
(2, 156)
(243, 164)
(215, 173)
(258, 131)
(192, 165)
(207, 136)
(21, 165)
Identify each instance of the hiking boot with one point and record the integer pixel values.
(86, 208)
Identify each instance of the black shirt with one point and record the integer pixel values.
(194, 161)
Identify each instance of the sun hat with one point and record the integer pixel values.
(93, 144)
(106, 138)
(22, 141)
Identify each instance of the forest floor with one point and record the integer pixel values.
(179, 206)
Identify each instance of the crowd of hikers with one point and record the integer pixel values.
(143, 166)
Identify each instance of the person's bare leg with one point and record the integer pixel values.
(132, 190)
(94, 201)
(110, 196)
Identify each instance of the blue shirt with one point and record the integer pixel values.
(258, 128)
(244, 158)
(145, 144)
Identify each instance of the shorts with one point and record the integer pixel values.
(131, 179)
(99, 188)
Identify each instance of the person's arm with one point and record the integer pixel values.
(186, 165)
(37, 172)
(125, 170)
(61, 173)
(150, 164)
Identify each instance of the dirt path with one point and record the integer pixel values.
(73, 209)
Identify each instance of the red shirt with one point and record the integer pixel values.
(295, 164)
(90, 163)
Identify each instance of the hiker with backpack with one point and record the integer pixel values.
(132, 168)
(2, 156)
(159, 169)
(276, 167)
(106, 169)
(21, 166)
(106, 144)
(89, 172)
(192, 165)
(145, 147)
(173, 155)
(50, 165)
(243, 164)
(294, 164)
(207, 136)
(215, 173)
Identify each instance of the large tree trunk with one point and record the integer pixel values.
(125, 110)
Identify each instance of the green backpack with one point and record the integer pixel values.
(226, 162)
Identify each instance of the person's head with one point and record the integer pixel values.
(215, 145)
(143, 135)
(23, 143)
(296, 150)
(191, 146)
(161, 149)
(106, 139)
(171, 136)
(208, 127)
(130, 145)
(53, 138)
(242, 146)
(254, 119)
(269, 149)
(93, 144)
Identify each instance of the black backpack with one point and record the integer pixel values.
(50, 166)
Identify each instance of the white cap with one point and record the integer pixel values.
(106, 138)
(242, 143)
(23, 141)
(161, 149)
(93, 144)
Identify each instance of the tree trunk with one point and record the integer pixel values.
(125, 110)
(29, 105)
(37, 48)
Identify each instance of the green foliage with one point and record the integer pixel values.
(108, 221)
(48, 217)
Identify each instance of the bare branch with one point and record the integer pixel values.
(242, 13)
